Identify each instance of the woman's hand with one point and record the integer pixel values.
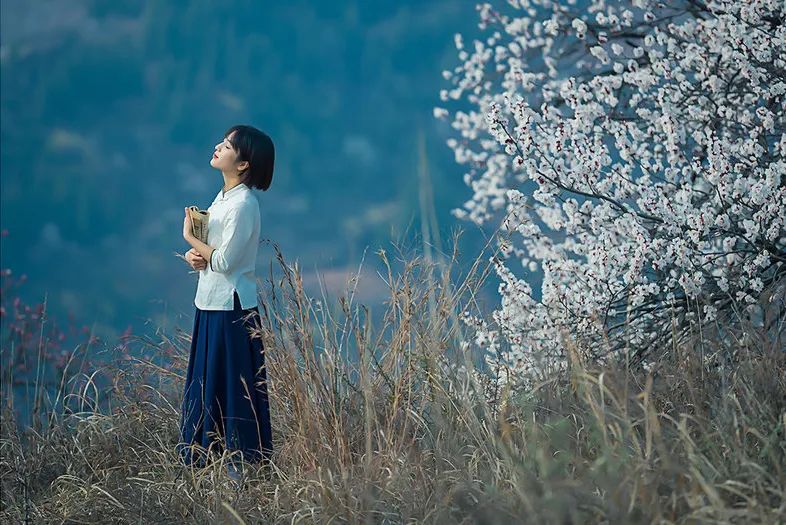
(188, 233)
(196, 261)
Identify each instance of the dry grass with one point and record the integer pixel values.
(384, 425)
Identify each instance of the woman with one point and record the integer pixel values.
(225, 401)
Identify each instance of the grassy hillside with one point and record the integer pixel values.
(393, 423)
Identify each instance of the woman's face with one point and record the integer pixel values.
(224, 156)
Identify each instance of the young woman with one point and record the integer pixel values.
(225, 400)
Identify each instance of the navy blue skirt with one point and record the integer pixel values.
(225, 402)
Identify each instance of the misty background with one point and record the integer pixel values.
(110, 112)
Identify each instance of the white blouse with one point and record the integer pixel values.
(233, 231)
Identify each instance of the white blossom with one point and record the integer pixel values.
(636, 173)
(440, 113)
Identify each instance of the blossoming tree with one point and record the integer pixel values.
(631, 151)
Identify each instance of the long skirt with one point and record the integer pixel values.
(225, 402)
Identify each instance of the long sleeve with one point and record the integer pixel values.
(238, 230)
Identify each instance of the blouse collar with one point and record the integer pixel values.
(237, 189)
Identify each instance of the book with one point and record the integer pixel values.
(199, 222)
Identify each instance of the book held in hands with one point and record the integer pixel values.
(199, 222)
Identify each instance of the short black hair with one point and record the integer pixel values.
(256, 147)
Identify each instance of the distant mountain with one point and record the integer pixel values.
(114, 106)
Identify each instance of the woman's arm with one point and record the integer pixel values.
(238, 229)
(204, 250)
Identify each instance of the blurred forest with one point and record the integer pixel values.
(110, 112)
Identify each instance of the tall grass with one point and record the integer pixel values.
(394, 423)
